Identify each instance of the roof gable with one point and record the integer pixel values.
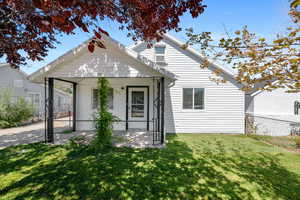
(226, 73)
(19, 71)
(123, 56)
(188, 49)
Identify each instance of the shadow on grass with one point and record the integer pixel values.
(175, 172)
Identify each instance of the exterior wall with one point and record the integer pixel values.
(84, 100)
(108, 62)
(273, 125)
(224, 103)
(274, 112)
(277, 102)
(7, 78)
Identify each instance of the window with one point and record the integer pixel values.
(110, 98)
(160, 54)
(34, 100)
(18, 83)
(296, 107)
(193, 98)
(137, 104)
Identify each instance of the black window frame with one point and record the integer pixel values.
(296, 107)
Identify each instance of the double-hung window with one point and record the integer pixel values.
(110, 99)
(193, 98)
(160, 54)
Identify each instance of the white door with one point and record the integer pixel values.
(137, 108)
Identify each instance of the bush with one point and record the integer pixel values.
(103, 118)
(13, 113)
(297, 141)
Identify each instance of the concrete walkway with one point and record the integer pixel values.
(36, 133)
(29, 133)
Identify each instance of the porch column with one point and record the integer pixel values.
(74, 106)
(162, 138)
(50, 134)
(158, 104)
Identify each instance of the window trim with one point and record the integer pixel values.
(138, 104)
(92, 99)
(160, 54)
(193, 109)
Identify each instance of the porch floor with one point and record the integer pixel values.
(135, 139)
(131, 138)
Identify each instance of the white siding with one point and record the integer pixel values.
(9, 75)
(84, 100)
(108, 62)
(277, 102)
(274, 112)
(224, 103)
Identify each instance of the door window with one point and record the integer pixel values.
(137, 104)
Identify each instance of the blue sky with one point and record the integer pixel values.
(265, 17)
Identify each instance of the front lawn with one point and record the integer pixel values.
(190, 167)
(287, 142)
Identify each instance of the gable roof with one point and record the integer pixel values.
(190, 50)
(17, 70)
(257, 89)
(107, 41)
(26, 78)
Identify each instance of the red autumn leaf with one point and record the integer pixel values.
(84, 28)
(66, 3)
(144, 19)
(103, 31)
(58, 19)
(100, 44)
(98, 35)
(91, 47)
(67, 13)
(37, 3)
(69, 28)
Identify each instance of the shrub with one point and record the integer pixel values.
(103, 118)
(13, 113)
(297, 141)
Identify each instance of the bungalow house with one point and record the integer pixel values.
(161, 89)
(17, 83)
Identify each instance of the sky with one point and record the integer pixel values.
(264, 17)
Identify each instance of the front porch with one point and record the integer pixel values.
(138, 88)
(137, 102)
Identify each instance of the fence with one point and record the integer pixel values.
(60, 110)
(280, 125)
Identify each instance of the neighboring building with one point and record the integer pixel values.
(16, 82)
(275, 113)
(161, 89)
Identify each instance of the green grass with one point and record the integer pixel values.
(190, 167)
(66, 132)
(287, 142)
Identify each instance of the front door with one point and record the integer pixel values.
(137, 107)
